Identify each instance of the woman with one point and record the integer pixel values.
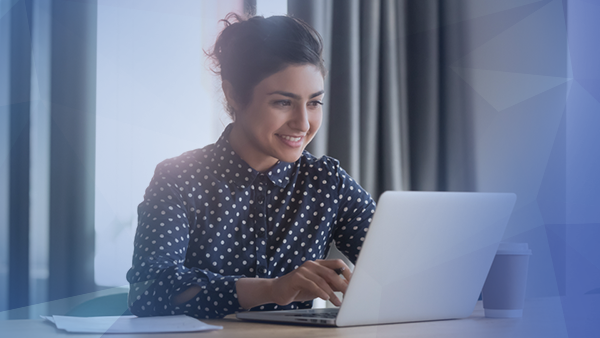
(245, 223)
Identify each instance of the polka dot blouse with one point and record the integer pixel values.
(208, 219)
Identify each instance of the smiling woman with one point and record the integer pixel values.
(246, 222)
(282, 118)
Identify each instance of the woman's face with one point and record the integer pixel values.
(281, 119)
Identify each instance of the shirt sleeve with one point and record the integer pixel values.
(355, 212)
(158, 272)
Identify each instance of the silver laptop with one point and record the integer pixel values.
(425, 257)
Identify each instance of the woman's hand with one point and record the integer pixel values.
(311, 280)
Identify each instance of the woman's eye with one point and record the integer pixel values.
(315, 103)
(283, 103)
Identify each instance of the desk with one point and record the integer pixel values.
(542, 318)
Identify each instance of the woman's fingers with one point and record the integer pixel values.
(336, 264)
(312, 279)
(299, 285)
(347, 274)
(333, 270)
(325, 286)
(316, 287)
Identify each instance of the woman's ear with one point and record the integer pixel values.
(230, 96)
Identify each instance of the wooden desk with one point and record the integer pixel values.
(541, 318)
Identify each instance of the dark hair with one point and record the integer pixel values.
(248, 51)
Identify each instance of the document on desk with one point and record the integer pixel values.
(130, 324)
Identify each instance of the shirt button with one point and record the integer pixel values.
(260, 199)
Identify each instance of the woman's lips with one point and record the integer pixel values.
(292, 141)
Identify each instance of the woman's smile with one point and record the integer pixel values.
(281, 119)
(292, 141)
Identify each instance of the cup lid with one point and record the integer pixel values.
(508, 248)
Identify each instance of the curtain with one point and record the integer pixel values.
(51, 58)
(394, 111)
(19, 86)
(72, 148)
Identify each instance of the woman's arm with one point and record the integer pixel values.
(311, 280)
(354, 217)
(158, 274)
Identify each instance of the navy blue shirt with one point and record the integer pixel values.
(208, 219)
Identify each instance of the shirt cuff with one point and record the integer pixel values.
(217, 299)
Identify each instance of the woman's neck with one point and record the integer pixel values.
(243, 147)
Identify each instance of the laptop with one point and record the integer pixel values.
(425, 257)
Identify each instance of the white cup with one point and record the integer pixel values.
(504, 289)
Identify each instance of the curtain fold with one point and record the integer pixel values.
(459, 173)
(19, 88)
(392, 96)
(344, 86)
(72, 149)
(369, 91)
(423, 75)
(394, 112)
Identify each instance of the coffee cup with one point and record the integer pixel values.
(504, 289)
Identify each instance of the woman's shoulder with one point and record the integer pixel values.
(311, 161)
(186, 161)
(324, 166)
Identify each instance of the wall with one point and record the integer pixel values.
(534, 86)
(4, 153)
(517, 74)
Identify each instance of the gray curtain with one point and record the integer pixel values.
(72, 148)
(65, 61)
(19, 87)
(394, 108)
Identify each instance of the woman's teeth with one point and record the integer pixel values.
(290, 138)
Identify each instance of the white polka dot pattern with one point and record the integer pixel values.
(208, 219)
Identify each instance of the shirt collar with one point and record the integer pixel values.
(236, 171)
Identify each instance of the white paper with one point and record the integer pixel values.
(130, 324)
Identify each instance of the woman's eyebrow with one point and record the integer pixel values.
(320, 92)
(294, 96)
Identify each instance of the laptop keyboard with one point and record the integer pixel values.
(320, 313)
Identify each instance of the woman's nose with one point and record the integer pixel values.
(300, 119)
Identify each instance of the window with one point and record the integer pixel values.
(268, 8)
(156, 98)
